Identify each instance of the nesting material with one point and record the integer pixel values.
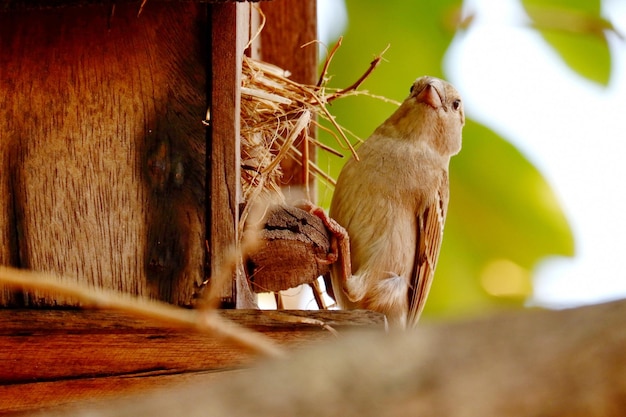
(277, 114)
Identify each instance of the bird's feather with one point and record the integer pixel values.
(429, 236)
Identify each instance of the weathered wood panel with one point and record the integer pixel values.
(101, 147)
(290, 25)
(21, 5)
(55, 357)
(229, 36)
(516, 364)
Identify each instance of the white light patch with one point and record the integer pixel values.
(570, 128)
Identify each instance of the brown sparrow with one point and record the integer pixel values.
(393, 202)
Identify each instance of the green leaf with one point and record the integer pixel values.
(577, 32)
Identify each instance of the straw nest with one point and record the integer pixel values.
(276, 115)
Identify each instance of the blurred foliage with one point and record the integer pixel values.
(503, 217)
(577, 31)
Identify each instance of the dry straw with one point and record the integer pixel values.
(277, 114)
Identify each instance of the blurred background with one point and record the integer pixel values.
(536, 214)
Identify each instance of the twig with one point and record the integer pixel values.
(207, 322)
(332, 120)
(141, 6)
(329, 58)
(362, 78)
(259, 29)
(306, 158)
(324, 175)
(324, 147)
(301, 124)
(291, 318)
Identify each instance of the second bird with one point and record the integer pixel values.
(393, 204)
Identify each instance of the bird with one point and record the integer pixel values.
(392, 202)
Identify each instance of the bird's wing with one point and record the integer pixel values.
(429, 235)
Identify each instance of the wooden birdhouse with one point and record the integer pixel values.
(114, 175)
(108, 172)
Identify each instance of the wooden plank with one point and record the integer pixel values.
(29, 397)
(59, 356)
(102, 149)
(21, 5)
(37, 395)
(291, 24)
(74, 344)
(515, 364)
(229, 36)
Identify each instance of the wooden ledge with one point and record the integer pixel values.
(52, 357)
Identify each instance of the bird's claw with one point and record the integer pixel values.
(339, 240)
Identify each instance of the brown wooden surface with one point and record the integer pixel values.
(50, 357)
(13, 5)
(291, 24)
(102, 149)
(567, 363)
(230, 34)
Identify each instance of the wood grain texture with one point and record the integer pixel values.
(515, 364)
(290, 24)
(61, 356)
(229, 35)
(102, 151)
(22, 398)
(21, 5)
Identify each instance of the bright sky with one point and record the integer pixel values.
(573, 130)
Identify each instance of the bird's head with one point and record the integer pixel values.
(433, 111)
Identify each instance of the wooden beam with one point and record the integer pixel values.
(514, 364)
(290, 24)
(50, 357)
(108, 188)
(21, 5)
(230, 33)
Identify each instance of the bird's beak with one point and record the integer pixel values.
(430, 95)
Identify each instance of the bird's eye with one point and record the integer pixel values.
(411, 89)
(456, 104)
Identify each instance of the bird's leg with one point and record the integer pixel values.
(318, 294)
(339, 240)
(279, 301)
